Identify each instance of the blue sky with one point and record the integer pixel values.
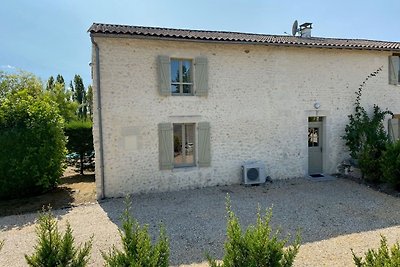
(47, 37)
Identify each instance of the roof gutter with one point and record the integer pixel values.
(100, 120)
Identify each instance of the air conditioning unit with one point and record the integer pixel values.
(253, 173)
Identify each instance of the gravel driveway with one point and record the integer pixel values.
(333, 216)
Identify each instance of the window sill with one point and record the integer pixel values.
(184, 168)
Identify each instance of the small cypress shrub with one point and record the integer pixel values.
(380, 257)
(138, 250)
(257, 246)
(55, 249)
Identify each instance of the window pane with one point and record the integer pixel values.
(186, 71)
(175, 88)
(189, 143)
(187, 88)
(313, 137)
(174, 70)
(178, 156)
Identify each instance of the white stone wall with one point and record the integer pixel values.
(258, 105)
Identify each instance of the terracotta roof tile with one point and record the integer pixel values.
(222, 36)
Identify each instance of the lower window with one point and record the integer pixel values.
(184, 144)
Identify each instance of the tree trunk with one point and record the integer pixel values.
(81, 171)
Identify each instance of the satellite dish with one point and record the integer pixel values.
(295, 28)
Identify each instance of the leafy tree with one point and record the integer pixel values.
(138, 250)
(12, 83)
(32, 144)
(80, 138)
(55, 249)
(62, 98)
(257, 246)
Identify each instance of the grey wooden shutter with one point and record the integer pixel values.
(394, 64)
(164, 75)
(165, 146)
(394, 129)
(201, 76)
(204, 155)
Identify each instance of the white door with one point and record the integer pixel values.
(315, 145)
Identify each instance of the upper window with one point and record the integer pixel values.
(394, 70)
(181, 77)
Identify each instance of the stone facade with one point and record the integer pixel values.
(258, 104)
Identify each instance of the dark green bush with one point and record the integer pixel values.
(32, 145)
(381, 257)
(80, 138)
(369, 161)
(257, 246)
(390, 165)
(55, 249)
(138, 250)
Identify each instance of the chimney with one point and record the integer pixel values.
(305, 30)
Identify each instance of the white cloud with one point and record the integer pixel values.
(7, 67)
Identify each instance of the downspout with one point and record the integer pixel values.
(100, 120)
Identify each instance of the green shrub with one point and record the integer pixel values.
(138, 250)
(1, 244)
(365, 135)
(32, 145)
(257, 246)
(55, 249)
(390, 165)
(80, 138)
(369, 161)
(381, 257)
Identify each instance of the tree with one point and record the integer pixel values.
(71, 87)
(60, 79)
(56, 249)
(89, 100)
(137, 246)
(11, 83)
(80, 96)
(62, 98)
(32, 144)
(50, 84)
(80, 138)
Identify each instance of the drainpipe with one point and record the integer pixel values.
(97, 55)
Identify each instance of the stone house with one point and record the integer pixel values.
(179, 109)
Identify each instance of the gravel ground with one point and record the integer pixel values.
(333, 216)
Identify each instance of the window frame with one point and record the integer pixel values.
(183, 145)
(181, 83)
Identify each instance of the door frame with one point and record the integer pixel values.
(325, 147)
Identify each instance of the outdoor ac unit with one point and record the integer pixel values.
(253, 173)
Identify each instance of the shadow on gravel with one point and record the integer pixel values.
(196, 219)
(66, 195)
